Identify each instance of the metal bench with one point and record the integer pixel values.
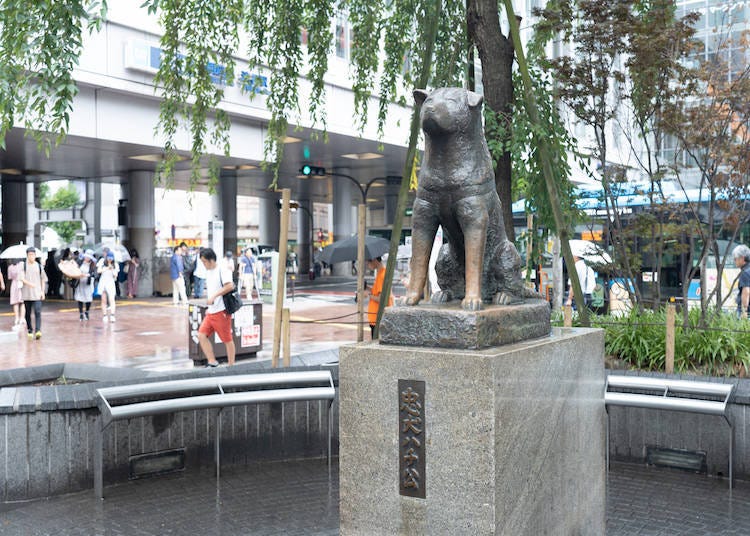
(147, 399)
(673, 395)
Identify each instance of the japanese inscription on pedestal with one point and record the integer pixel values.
(411, 438)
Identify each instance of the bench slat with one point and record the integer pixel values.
(218, 400)
(680, 386)
(180, 386)
(707, 407)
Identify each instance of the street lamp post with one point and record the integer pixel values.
(295, 205)
(361, 229)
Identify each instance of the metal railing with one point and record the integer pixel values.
(671, 395)
(147, 399)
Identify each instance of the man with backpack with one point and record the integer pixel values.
(33, 291)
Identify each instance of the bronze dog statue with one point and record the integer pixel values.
(457, 190)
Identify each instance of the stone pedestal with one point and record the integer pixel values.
(513, 438)
(449, 326)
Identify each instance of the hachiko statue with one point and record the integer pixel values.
(457, 190)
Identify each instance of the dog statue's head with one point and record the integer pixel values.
(448, 110)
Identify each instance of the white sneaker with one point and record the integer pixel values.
(105, 319)
(112, 319)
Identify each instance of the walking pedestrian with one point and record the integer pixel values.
(54, 275)
(133, 267)
(587, 279)
(246, 269)
(107, 291)
(199, 278)
(741, 256)
(218, 282)
(84, 291)
(177, 274)
(15, 276)
(34, 281)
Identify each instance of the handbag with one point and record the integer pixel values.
(232, 301)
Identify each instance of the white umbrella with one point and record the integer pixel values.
(18, 252)
(120, 252)
(589, 252)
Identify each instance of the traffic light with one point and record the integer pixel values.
(308, 170)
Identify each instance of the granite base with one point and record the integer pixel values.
(514, 438)
(449, 326)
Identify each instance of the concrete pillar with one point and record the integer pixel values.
(14, 210)
(392, 186)
(141, 224)
(304, 235)
(268, 221)
(224, 204)
(344, 222)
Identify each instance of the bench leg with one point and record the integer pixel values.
(98, 459)
(330, 415)
(217, 443)
(731, 454)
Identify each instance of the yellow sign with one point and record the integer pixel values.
(190, 242)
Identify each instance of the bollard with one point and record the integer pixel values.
(568, 316)
(669, 339)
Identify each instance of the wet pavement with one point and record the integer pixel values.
(302, 497)
(152, 334)
(294, 497)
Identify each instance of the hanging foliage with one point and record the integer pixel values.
(40, 45)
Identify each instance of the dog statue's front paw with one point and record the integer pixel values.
(411, 298)
(470, 303)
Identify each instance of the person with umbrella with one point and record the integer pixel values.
(376, 265)
(15, 276)
(34, 281)
(587, 278)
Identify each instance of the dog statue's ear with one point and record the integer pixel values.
(474, 99)
(420, 95)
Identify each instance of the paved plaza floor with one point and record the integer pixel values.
(152, 334)
(302, 497)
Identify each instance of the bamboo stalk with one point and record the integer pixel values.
(286, 195)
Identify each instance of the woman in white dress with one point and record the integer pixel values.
(84, 292)
(107, 276)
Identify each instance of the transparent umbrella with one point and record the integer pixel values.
(17, 252)
(589, 252)
(121, 252)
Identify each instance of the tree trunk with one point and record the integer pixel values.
(496, 54)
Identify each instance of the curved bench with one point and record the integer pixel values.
(147, 399)
(671, 395)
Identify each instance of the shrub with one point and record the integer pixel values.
(639, 340)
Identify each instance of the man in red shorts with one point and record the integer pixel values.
(218, 282)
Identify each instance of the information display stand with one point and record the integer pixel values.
(247, 331)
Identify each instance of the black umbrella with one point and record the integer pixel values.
(346, 249)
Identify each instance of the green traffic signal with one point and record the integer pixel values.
(308, 170)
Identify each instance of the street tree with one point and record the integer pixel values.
(711, 125)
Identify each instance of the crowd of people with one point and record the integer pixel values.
(81, 274)
(188, 274)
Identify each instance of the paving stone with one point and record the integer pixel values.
(301, 498)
